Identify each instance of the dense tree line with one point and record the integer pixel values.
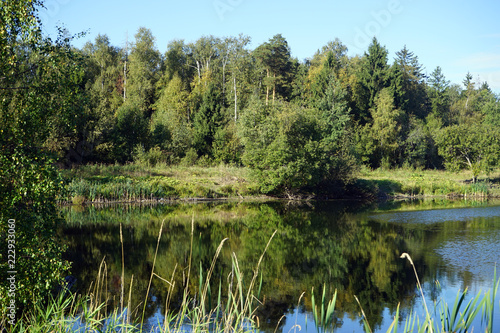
(297, 124)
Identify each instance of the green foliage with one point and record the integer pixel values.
(438, 93)
(143, 70)
(130, 130)
(490, 106)
(226, 146)
(40, 105)
(475, 148)
(151, 158)
(374, 71)
(42, 98)
(169, 123)
(190, 158)
(416, 145)
(289, 147)
(409, 84)
(281, 146)
(28, 189)
(274, 57)
(98, 103)
(113, 98)
(386, 127)
(104, 90)
(208, 120)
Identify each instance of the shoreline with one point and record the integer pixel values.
(110, 184)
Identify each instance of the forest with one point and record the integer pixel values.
(296, 124)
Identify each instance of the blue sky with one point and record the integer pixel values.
(459, 36)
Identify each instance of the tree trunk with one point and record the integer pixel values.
(199, 70)
(125, 80)
(267, 89)
(472, 169)
(224, 81)
(235, 100)
(274, 88)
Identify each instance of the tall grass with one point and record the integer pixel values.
(457, 318)
(134, 182)
(71, 313)
(323, 317)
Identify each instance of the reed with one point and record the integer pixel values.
(89, 313)
(451, 319)
(68, 312)
(324, 317)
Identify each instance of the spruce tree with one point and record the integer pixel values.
(207, 120)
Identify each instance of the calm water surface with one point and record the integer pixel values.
(352, 247)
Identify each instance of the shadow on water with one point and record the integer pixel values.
(349, 246)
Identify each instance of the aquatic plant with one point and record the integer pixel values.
(233, 312)
(454, 319)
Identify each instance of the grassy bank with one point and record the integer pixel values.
(426, 183)
(133, 182)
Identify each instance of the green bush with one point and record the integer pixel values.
(190, 158)
(150, 158)
(290, 148)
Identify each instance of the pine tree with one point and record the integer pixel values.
(274, 56)
(374, 71)
(208, 120)
(386, 126)
(409, 85)
(438, 93)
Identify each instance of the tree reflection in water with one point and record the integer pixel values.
(337, 244)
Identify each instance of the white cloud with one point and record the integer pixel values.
(497, 35)
(493, 79)
(480, 61)
(482, 65)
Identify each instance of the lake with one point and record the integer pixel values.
(351, 247)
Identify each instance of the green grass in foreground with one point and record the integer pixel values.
(236, 313)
